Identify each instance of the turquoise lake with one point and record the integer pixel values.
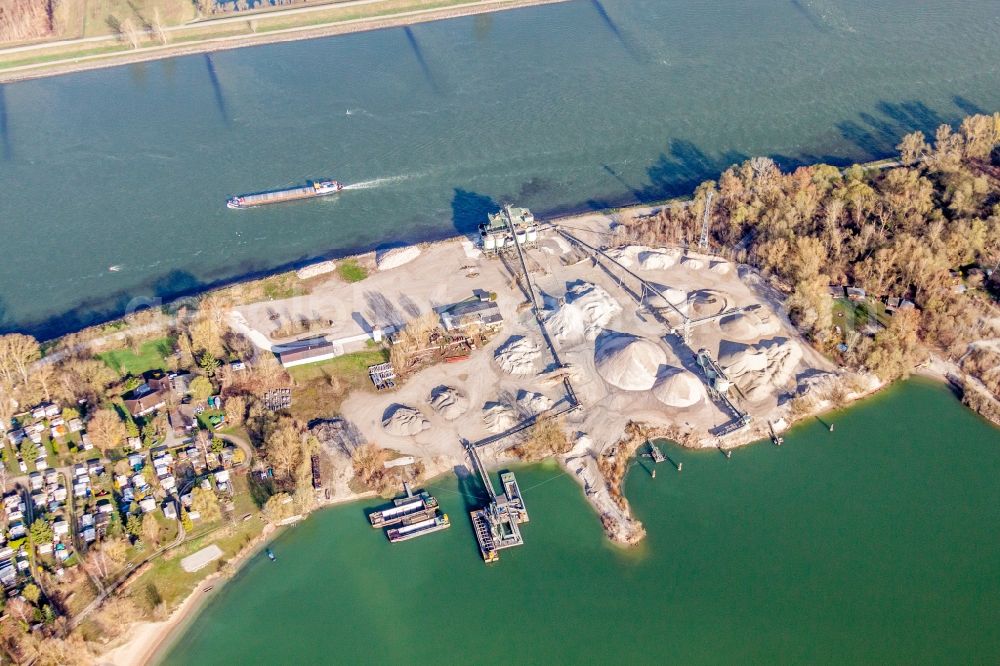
(876, 543)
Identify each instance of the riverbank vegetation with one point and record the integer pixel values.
(921, 235)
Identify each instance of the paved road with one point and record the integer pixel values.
(243, 17)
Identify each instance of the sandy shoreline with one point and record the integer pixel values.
(146, 54)
(146, 641)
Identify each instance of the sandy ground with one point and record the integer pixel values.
(450, 271)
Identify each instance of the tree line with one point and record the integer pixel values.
(912, 229)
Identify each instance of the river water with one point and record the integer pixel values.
(564, 107)
(874, 544)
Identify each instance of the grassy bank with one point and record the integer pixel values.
(231, 31)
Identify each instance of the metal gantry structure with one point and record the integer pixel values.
(703, 241)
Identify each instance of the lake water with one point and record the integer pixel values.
(564, 107)
(874, 544)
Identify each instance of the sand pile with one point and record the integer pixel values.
(626, 256)
(395, 257)
(312, 270)
(583, 312)
(692, 263)
(628, 362)
(679, 388)
(449, 402)
(747, 326)
(518, 356)
(761, 368)
(401, 420)
(720, 267)
(499, 416)
(533, 403)
(670, 296)
(738, 360)
(706, 302)
(656, 260)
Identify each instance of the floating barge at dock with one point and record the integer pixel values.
(407, 510)
(420, 528)
(312, 189)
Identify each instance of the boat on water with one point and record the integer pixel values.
(270, 555)
(435, 524)
(312, 189)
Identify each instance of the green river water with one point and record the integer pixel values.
(584, 104)
(876, 543)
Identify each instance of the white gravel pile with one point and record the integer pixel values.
(679, 388)
(586, 309)
(533, 403)
(499, 416)
(705, 302)
(449, 402)
(747, 326)
(312, 270)
(670, 296)
(692, 264)
(395, 257)
(721, 267)
(628, 362)
(403, 421)
(656, 260)
(518, 356)
(760, 369)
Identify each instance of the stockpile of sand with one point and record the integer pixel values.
(518, 356)
(679, 388)
(395, 257)
(761, 368)
(692, 263)
(706, 302)
(720, 267)
(626, 256)
(747, 326)
(583, 312)
(401, 420)
(533, 403)
(656, 260)
(312, 270)
(667, 296)
(631, 363)
(449, 402)
(499, 416)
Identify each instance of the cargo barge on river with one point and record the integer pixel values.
(312, 189)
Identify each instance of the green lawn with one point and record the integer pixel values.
(203, 418)
(347, 367)
(350, 271)
(152, 356)
(321, 387)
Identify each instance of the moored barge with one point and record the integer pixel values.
(435, 524)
